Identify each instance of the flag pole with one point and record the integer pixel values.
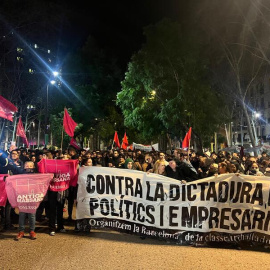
(62, 138)
(189, 145)
(188, 148)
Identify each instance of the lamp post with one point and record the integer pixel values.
(51, 82)
(256, 115)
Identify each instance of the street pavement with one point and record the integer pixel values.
(112, 250)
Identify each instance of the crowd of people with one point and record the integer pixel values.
(178, 164)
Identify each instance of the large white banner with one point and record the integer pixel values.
(146, 148)
(225, 208)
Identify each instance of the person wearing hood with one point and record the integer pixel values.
(129, 164)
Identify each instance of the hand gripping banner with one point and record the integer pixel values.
(3, 193)
(226, 208)
(26, 191)
(65, 172)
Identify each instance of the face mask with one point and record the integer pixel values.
(29, 170)
(253, 171)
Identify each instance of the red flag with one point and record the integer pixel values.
(185, 143)
(125, 142)
(74, 143)
(116, 140)
(69, 124)
(7, 109)
(21, 133)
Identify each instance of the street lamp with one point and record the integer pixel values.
(258, 116)
(55, 73)
(255, 115)
(52, 82)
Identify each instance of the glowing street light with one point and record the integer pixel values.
(257, 114)
(55, 73)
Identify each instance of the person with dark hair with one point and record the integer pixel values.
(72, 152)
(121, 161)
(14, 156)
(99, 159)
(148, 163)
(223, 167)
(195, 161)
(72, 191)
(86, 162)
(253, 169)
(205, 163)
(82, 152)
(138, 162)
(115, 158)
(263, 157)
(28, 168)
(23, 156)
(221, 157)
(172, 170)
(105, 159)
(9, 165)
(94, 158)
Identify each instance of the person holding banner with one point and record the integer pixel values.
(148, 163)
(162, 158)
(172, 170)
(129, 164)
(72, 191)
(28, 168)
(9, 166)
(159, 168)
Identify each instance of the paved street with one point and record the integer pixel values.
(111, 250)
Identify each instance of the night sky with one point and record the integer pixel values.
(118, 25)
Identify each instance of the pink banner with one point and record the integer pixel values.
(65, 172)
(26, 191)
(3, 194)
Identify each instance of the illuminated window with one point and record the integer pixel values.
(49, 51)
(19, 50)
(31, 71)
(20, 59)
(36, 46)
